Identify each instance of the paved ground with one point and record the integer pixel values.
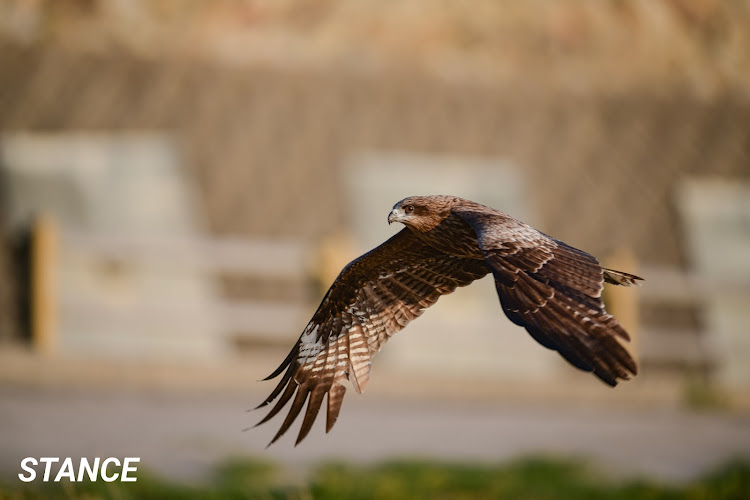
(184, 435)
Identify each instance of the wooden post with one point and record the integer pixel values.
(44, 247)
(622, 302)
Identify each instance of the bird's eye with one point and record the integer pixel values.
(409, 209)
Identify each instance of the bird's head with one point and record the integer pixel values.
(421, 213)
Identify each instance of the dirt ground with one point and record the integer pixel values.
(183, 435)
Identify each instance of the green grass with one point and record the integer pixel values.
(537, 479)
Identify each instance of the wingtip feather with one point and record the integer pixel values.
(335, 397)
(313, 407)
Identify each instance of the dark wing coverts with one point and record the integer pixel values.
(554, 291)
(374, 297)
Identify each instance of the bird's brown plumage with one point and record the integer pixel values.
(550, 288)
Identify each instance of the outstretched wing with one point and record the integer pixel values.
(375, 296)
(554, 291)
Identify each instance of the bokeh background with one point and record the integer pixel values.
(180, 181)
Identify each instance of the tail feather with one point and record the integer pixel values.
(620, 278)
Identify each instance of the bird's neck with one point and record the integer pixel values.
(452, 236)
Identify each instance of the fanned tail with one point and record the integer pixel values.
(620, 278)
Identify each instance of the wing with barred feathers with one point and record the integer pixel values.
(374, 297)
(554, 291)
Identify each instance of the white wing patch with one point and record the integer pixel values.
(310, 344)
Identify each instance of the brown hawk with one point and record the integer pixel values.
(546, 286)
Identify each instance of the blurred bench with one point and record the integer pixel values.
(153, 295)
(674, 346)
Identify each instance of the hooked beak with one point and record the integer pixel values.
(395, 215)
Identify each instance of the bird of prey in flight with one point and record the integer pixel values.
(546, 286)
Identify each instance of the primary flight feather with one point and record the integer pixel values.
(551, 289)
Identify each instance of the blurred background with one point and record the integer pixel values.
(181, 181)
